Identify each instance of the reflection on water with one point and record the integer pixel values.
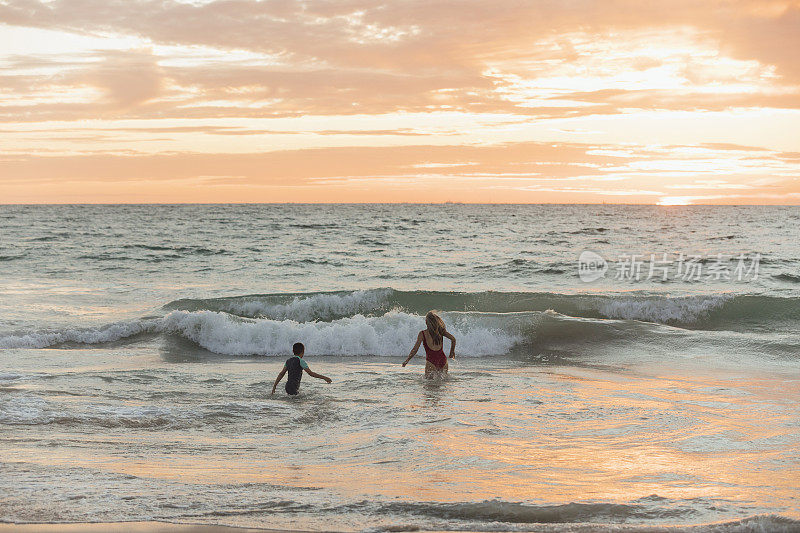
(714, 446)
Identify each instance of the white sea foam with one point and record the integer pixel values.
(478, 333)
(24, 410)
(682, 310)
(108, 333)
(390, 334)
(30, 410)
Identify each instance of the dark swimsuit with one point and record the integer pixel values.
(294, 367)
(436, 357)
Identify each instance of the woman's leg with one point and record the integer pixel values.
(430, 370)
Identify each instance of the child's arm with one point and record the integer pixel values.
(278, 379)
(452, 345)
(414, 349)
(318, 376)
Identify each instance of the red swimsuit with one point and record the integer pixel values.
(436, 357)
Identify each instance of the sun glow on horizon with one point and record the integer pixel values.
(675, 200)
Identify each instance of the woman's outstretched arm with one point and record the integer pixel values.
(452, 345)
(414, 349)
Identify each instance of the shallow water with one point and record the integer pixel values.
(139, 345)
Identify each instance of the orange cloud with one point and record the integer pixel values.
(187, 96)
(530, 172)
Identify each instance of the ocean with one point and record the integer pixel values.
(618, 368)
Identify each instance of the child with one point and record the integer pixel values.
(295, 366)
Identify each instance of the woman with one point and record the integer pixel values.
(433, 340)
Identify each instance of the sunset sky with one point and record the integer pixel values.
(631, 101)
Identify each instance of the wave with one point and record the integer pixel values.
(520, 513)
(714, 311)
(519, 265)
(153, 254)
(226, 334)
(298, 307)
(589, 231)
(681, 310)
(32, 410)
(29, 410)
(384, 321)
(651, 514)
(548, 335)
(103, 334)
(189, 250)
(585, 517)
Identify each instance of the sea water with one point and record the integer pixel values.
(657, 386)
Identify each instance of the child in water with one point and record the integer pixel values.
(433, 340)
(295, 366)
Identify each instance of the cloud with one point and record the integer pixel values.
(150, 68)
(366, 57)
(128, 78)
(413, 34)
(509, 161)
(688, 100)
(132, 84)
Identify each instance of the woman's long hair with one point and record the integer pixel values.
(436, 327)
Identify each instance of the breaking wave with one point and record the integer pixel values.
(301, 308)
(227, 334)
(383, 321)
(697, 312)
(584, 517)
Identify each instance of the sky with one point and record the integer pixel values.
(667, 102)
